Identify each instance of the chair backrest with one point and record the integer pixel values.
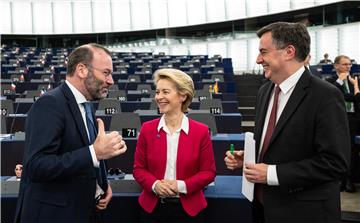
(144, 88)
(214, 105)
(3, 125)
(114, 87)
(118, 94)
(207, 119)
(32, 93)
(134, 78)
(217, 77)
(202, 94)
(128, 123)
(110, 106)
(7, 107)
(153, 105)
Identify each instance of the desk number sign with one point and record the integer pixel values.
(215, 110)
(4, 111)
(122, 98)
(110, 111)
(129, 132)
(201, 98)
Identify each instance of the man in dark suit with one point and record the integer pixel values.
(347, 85)
(64, 177)
(300, 133)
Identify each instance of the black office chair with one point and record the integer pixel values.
(217, 77)
(207, 119)
(3, 125)
(134, 78)
(110, 106)
(113, 87)
(202, 94)
(144, 88)
(128, 123)
(118, 94)
(7, 107)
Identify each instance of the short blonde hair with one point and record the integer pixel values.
(183, 83)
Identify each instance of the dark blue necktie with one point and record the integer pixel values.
(101, 171)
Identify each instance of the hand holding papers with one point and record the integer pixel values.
(249, 157)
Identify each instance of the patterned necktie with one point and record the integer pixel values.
(346, 90)
(101, 171)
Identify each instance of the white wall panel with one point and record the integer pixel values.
(297, 4)
(198, 49)
(22, 17)
(235, 9)
(256, 8)
(5, 17)
(159, 14)
(279, 6)
(82, 17)
(217, 48)
(238, 52)
(196, 11)
(327, 42)
(315, 57)
(349, 41)
(177, 12)
(253, 51)
(121, 15)
(179, 49)
(215, 10)
(140, 14)
(62, 17)
(42, 18)
(102, 16)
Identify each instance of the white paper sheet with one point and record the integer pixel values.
(249, 157)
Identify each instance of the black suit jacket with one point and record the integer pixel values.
(58, 182)
(310, 149)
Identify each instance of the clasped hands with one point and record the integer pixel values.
(255, 173)
(166, 188)
(108, 145)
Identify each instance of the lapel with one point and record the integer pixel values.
(294, 101)
(183, 149)
(161, 143)
(75, 111)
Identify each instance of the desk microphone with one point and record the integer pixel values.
(13, 120)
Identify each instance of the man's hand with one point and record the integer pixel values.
(235, 160)
(256, 173)
(343, 76)
(103, 202)
(108, 145)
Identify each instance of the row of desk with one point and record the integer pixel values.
(225, 204)
(226, 122)
(12, 153)
(23, 106)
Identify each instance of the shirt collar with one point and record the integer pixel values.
(184, 124)
(80, 98)
(291, 81)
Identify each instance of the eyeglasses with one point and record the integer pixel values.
(106, 72)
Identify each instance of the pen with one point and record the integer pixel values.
(232, 149)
